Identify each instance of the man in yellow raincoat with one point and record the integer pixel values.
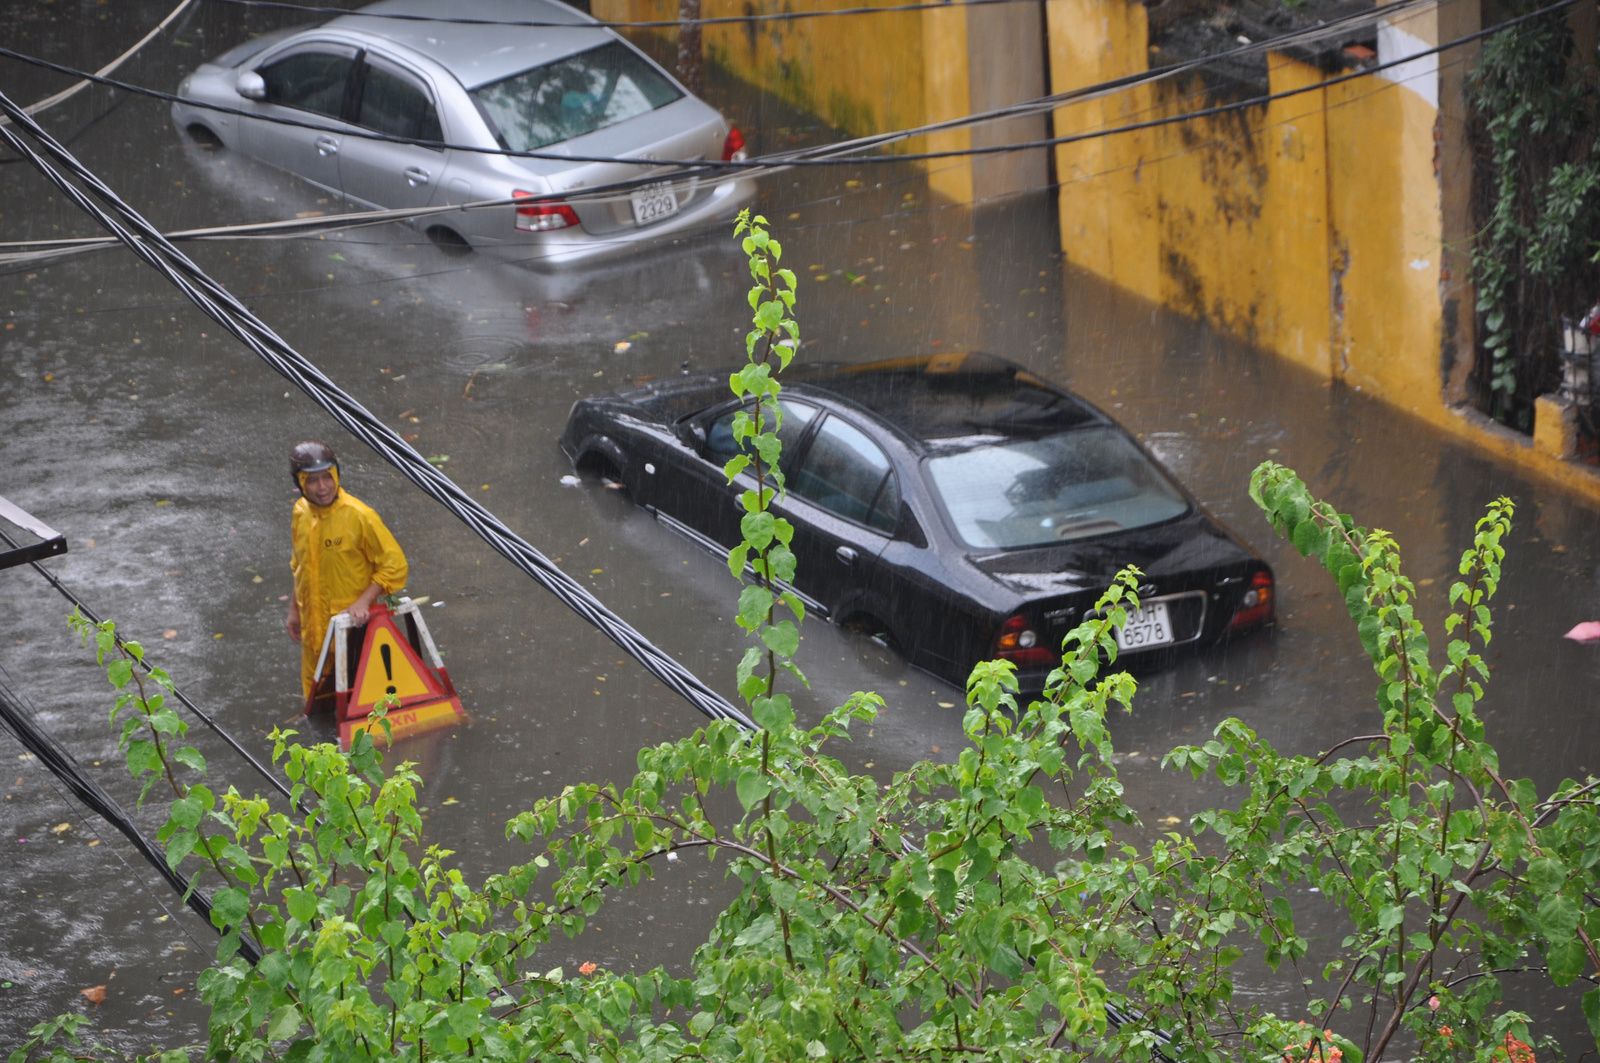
(343, 556)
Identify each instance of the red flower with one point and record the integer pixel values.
(589, 968)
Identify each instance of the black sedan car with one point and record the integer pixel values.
(956, 504)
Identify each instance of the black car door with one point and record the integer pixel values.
(702, 497)
(844, 502)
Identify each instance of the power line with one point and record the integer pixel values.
(148, 243)
(42, 743)
(72, 90)
(143, 663)
(835, 154)
(782, 16)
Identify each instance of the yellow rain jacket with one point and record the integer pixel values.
(339, 550)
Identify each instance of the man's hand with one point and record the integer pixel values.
(293, 623)
(360, 609)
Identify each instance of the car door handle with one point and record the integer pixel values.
(415, 176)
(327, 146)
(846, 555)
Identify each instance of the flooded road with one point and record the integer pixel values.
(159, 447)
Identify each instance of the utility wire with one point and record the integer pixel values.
(32, 250)
(110, 68)
(834, 154)
(42, 743)
(143, 662)
(781, 16)
(148, 243)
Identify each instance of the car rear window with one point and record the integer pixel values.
(1057, 488)
(574, 96)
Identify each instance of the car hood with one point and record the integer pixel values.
(1162, 552)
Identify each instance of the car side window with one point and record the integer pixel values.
(847, 474)
(309, 81)
(797, 417)
(394, 103)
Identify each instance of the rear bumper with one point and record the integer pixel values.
(566, 247)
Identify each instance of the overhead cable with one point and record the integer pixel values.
(110, 68)
(218, 303)
(42, 743)
(144, 663)
(842, 151)
(780, 16)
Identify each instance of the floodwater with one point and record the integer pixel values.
(157, 444)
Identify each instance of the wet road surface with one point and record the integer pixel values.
(158, 446)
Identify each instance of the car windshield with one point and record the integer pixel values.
(574, 96)
(1070, 485)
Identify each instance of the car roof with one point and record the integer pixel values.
(942, 398)
(479, 55)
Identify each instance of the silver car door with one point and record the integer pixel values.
(394, 101)
(307, 84)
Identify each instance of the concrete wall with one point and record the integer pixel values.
(896, 70)
(1328, 226)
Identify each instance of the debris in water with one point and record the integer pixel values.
(95, 994)
(570, 481)
(1588, 631)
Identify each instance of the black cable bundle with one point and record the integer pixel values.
(42, 743)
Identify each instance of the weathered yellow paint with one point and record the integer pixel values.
(1224, 218)
(946, 94)
(1387, 218)
(862, 73)
(1316, 226)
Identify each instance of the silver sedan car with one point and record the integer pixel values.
(575, 88)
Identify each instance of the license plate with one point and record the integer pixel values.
(654, 202)
(1147, 626)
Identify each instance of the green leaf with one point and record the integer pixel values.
(229, 907)
(1566, 961)
(181, 845)
(302, 904)
(462, 946)
(1546, 875)
(752, 787)
(284, 1023)
(782, 638)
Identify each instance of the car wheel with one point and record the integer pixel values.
(203, 136)
(869, 626)
(449, 241)
(603, 469)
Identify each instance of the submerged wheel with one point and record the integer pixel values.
(449, 241)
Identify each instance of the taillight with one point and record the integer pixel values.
(1255, 606)
(1019, 643)
(733, 147)
(537, 216)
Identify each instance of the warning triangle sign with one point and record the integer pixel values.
(391, 666)
(388, 666)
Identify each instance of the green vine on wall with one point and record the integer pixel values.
(1538, 172)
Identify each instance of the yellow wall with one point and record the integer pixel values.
(1310, 226)
(864, 74)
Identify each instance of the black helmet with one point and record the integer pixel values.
(313, 455)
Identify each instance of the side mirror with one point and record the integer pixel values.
(251, 86)
(691, 433)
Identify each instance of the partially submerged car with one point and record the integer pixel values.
(574, 89)
(956, 504)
